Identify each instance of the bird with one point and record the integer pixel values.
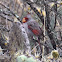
(32, 28)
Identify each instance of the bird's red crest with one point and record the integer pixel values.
(26, 18)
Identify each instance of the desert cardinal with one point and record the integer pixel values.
(32, 27)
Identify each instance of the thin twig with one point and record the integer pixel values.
(10, 11)
(5, 18)
(1, 11)
(44, 34)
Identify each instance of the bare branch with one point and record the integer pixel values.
(7, 18)
(10, 11)
(36, 11)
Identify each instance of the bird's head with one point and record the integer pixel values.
(27, 18)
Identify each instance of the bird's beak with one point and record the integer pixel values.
(23, 20)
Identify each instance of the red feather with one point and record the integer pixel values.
(26, 18)
(35, 31)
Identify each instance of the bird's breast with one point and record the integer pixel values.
(28, 31)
